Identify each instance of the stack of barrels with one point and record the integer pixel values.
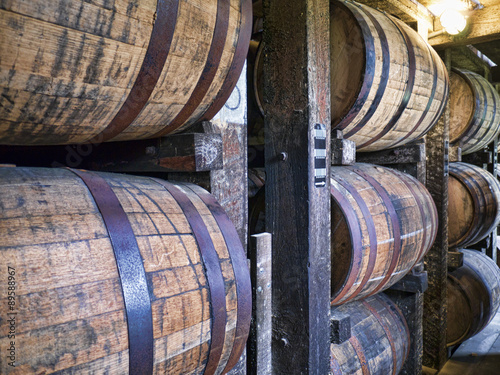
(114, 273)
(389, 88)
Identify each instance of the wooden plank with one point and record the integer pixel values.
(400, 155)
(297, 88)
(195, 152)
(484, 27)
(407, 10)
(343, 150)
(434, 321)
(259, 352)
(455, 260)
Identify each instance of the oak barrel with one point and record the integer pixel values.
(389, 87)
(113, 271)
(474, 111)
(380, 340)
(383, 223)
(473, 204)
(95, 71)
(473, 296)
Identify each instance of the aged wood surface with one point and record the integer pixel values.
(414, 153)
(380, 338)
(70, 311)
(383, 223)
(474, 111)
(195, 152)
(390, 86)
(434, 322)
(68, 67)
(296, 89)
(474, 204)
(343, 150)
(473, 296)
(259, 353)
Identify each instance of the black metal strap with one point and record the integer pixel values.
(131, 271)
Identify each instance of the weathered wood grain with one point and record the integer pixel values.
(296, 91)
(68, 67)
(473, 296)
(380, 338)
(390, 86)
(69, 304)
(383, 223)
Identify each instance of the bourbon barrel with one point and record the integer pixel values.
(119, 274)
(96, 71)
(380, 338)
(474, 111)
(383, 223)
(473, 296)
(389, 87)
(473, 204)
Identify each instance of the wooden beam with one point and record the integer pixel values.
(407, 10)
(484, 27)
(297, 123)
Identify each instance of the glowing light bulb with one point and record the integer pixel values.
(453, 21)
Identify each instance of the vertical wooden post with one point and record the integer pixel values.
(491, 250)
(297, 97)
(435, 299)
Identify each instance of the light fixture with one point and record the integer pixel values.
(451, 15)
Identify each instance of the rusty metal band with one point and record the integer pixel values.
(355, 232)
(485, 111)
(384, 78)
(152, 66)
(370, 63)
(413, 192)
(458, 170)
(397, 315)
(372, 233)
(396, 226)
(412, 68)
(429, 102)
(444, 98)
(387, 333)
(471, 78)
(213, 273)
(209, 71)
(239, 58)
(130, 270)
(241, 274)
(361, 355)
(334, 366)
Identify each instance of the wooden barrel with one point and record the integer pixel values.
(380, 340)
(473, 296)
(75, 72)
(473, 204)
(389, 87)
(383, 223)
(474, 111)
(117, 274)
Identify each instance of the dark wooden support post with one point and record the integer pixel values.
(297, 91)
(435, 299)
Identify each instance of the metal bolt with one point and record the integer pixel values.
(150, 150)
(283, 156)
(259, 289)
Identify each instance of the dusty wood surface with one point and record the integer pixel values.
(196, 152)
(380, 338)
(296, 89)
(69, 67)
(400, 155)
(383, 223)
(434, 322)
(68, 290)
(399, 92)
(259, 352)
